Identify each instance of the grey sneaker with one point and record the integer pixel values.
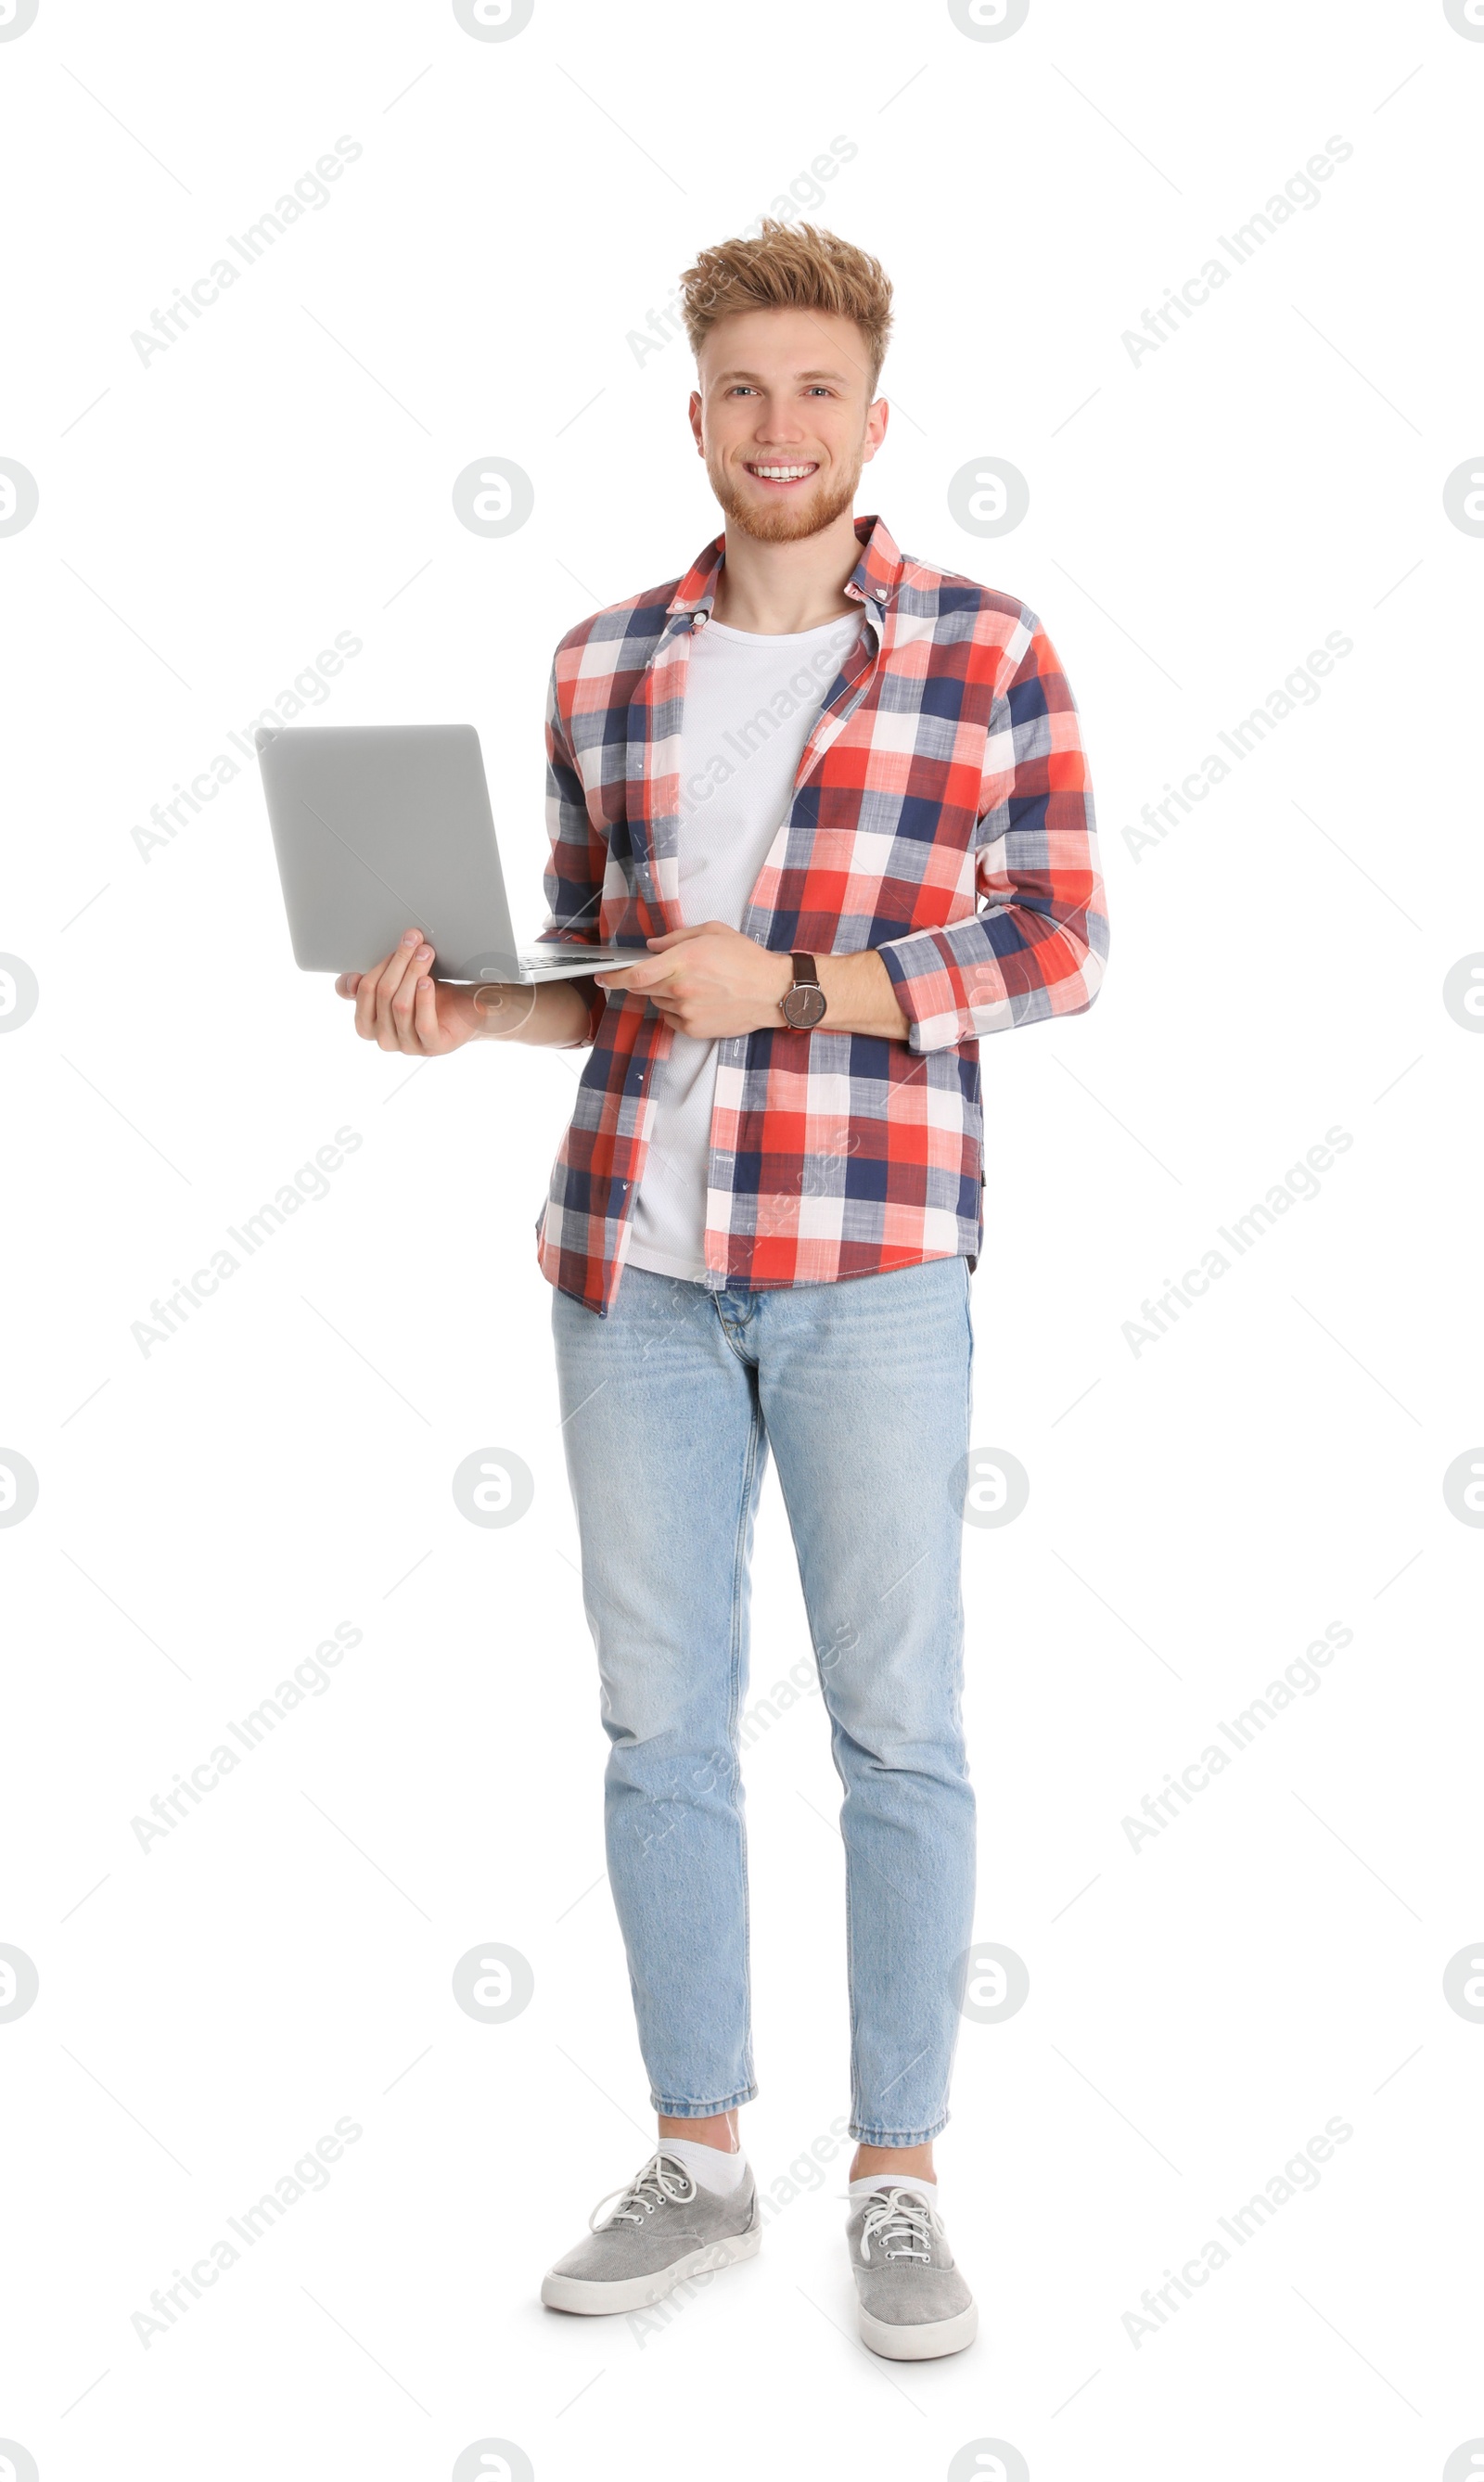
(664, 2228)
(914, 2303)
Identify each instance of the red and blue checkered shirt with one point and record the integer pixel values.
(942, 814)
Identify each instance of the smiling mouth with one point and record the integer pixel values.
(781, 477)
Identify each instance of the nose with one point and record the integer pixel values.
(778, 426)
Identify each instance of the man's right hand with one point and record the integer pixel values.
(400, 1006)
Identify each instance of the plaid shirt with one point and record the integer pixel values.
(941, 815)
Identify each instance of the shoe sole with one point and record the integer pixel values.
(593, 2300)
(919, 2343)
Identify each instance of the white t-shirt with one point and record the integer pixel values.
(751, 704)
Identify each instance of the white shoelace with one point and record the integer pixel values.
(904, 2216)
(667, 2182)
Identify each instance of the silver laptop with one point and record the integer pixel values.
(379, 828)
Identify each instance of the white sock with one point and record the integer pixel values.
(872, 2180)
(711, 2165)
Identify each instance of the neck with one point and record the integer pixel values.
(777, 589)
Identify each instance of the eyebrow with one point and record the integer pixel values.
(838, 376)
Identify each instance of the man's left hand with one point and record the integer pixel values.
(708, 981)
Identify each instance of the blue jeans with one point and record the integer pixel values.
(669, 1405)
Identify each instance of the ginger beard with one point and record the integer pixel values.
(798, 510)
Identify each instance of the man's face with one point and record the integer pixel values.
(785, 420)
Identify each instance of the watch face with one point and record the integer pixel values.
(805, 1005)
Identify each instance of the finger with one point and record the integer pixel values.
(389, 983)
(346, 985)
(368, 989)
(403, 1000)
(634, 978)
(425, 1015)
(365, 997)
(687, 931)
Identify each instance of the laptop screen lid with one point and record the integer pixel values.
(379, 827)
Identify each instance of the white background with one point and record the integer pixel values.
(1199, 1511)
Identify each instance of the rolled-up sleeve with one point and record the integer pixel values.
(1036, 945)
(572, 882)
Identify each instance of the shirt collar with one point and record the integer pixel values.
(873, 581)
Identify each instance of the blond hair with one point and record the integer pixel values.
(789, 267)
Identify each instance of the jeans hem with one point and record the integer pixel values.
(702, 2110)
(898, 2136)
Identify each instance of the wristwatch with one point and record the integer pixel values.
(804, 1003)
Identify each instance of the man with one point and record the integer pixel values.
(842, 797)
